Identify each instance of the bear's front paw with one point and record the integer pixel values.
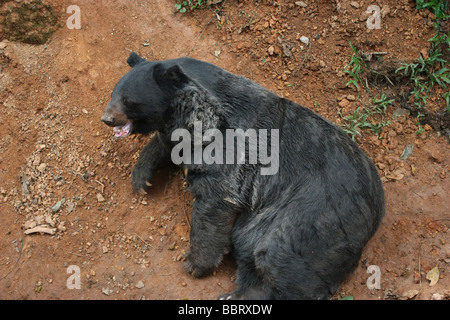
(140, 179)
(194, 267)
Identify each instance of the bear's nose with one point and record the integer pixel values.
(108, 121)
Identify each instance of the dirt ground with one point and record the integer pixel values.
(61, 168)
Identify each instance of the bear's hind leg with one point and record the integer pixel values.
(286, 274)
(250, 286)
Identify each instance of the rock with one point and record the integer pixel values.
(301, 4)
(70, 206)
(435, 154)
(304, 40)
(390, 294)
(437, 296)
(61, 227)
(286, 47)
(3, 45)
(354, 4)
(385, 11)
(107, 291)
(395, 175)
(401, 113)
(424, 53)
(139, 285)
(344, 103)
(364, 16)
(30, 224)
(410, 294)
(351, 97)
(100, 198)
(41, 167)
(271, 50)
(40, 219)
(407, 151)
(25, 182)
(58, 205)
(417, 277)
(49, 221)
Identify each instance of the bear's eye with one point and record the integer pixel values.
(125, 100)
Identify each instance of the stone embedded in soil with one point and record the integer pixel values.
(61, 227)
(50, 221)
(58, 205)
(29, 224)
(41, 167)
(407, 151)
(301, 4)
(107, 291)
(364, 15)
(400, 112)
(304, 40)
(385, 10)
(344, 103)
(435, 154)
(25, 182)
(410, 294)
(437, 296)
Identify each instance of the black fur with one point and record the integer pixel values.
(296, 234)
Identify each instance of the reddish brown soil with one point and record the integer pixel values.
(129, 246)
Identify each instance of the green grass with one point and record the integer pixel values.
(438, 7)
(355, 68)
(380, 105)
(367, 118)
(183, 5)
(427, 73)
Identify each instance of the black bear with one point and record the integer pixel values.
(296, 229)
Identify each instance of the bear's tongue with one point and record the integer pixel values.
(122, 131)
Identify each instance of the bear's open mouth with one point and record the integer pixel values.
(122, 131)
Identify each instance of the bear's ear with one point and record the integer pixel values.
(134, 59)
(173, 75)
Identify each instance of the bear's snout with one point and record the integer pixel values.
(109, 121)
(113, 115)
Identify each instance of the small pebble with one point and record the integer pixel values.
(304, 40)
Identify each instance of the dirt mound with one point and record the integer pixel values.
(29, 22)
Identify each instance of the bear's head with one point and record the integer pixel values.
(140, 100)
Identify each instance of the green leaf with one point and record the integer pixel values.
(346, 298)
